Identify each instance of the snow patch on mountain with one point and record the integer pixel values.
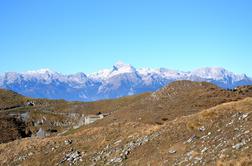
(118, 68)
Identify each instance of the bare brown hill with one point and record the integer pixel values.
(217, 136)
(10, 99)
(21, 116)
(185, 123)
(178, 99)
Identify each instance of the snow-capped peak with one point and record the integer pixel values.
(123, 67)
(121, 64)
(147, 71)
(217, 73)
(210, 72)
(45, 75)
(162, 72)
(102, 74)
(118, 68)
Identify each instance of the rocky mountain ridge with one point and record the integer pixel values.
(121, 80)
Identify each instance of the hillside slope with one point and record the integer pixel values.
(183, 123)
(24, 117)
(10, 99)
(219, 135)
(175, 100)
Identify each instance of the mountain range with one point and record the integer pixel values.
(121, 80)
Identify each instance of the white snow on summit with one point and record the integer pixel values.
(100, 75)
(217, 73)
(118, 68)
(121, 68)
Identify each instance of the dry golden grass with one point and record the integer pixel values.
(10, 99)
(179, 109)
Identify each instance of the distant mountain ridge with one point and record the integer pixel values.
(122, 80)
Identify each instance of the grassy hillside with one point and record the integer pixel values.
(50, 115)
(184, 123)
(180, 98)
(10, 99)
(219, 135)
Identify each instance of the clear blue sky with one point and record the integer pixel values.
(87, 35)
